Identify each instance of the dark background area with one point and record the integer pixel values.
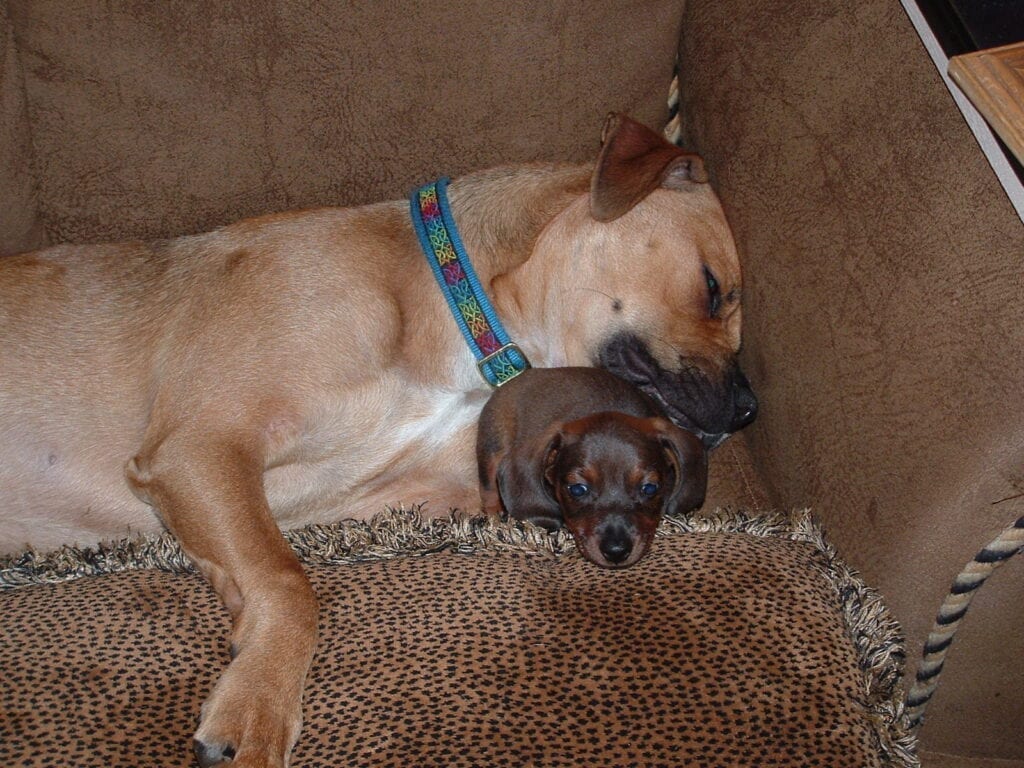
(963, 26)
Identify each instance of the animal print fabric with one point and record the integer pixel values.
(729, 645)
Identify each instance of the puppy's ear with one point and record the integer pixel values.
(524, 484)
(689, 462)
(633, 162)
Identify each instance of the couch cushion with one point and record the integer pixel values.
(150, 119)
(738, 641)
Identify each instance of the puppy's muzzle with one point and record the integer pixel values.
(616, 545)
(618, 540)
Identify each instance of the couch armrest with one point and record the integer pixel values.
(884, 314)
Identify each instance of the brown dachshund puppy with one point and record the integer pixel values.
(582, 448)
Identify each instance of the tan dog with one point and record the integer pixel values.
(583, 449)
(304, 367)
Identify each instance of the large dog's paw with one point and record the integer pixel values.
(251, 719)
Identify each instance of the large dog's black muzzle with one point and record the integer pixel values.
(711, 405)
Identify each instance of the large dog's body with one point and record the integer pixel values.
(304, 366)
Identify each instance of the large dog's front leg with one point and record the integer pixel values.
(210, 495)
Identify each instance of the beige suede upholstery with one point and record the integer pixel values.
(19, 227)
(156, 119)
(884, 300)
(884, 313)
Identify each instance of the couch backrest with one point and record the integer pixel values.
(19, 224)
(155, 119)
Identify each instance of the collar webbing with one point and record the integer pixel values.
(498, 359)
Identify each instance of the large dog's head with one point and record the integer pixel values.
(647, 282)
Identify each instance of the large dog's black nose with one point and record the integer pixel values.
(744, 401)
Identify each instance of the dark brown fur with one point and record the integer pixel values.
(552, 429)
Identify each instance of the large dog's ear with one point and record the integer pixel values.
(689, 462)
(523, 480)
(634, 161)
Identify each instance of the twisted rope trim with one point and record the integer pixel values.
(951, 613)
(395, 533)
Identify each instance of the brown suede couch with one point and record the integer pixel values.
(884, 298)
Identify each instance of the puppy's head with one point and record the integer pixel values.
(609, 478)
(645, 275)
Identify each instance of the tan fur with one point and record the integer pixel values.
(303, 367)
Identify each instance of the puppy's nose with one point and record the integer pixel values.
(744, 401)
(616, 546)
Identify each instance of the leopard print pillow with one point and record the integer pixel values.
(738, 641)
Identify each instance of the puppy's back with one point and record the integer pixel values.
(532, 401)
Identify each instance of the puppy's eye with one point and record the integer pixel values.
(649, 489)
(578, 490)
(714, 293)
